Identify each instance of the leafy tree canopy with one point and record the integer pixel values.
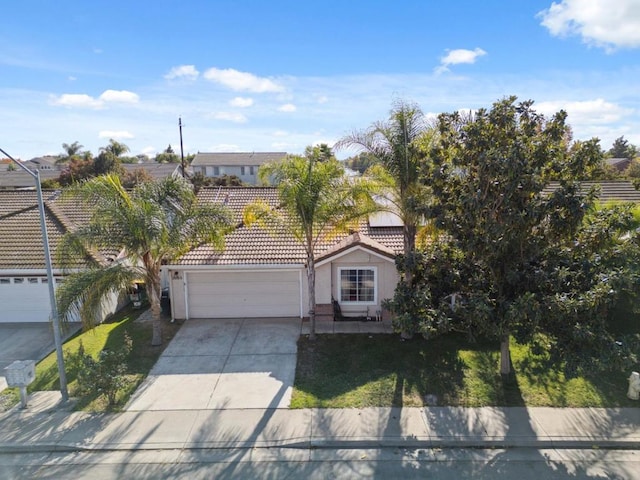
(621, 148)
(500, 273)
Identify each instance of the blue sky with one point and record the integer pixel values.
(250, 75)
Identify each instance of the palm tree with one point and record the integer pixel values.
(317, 203)
(71, 151)
(115, 147)
(153, 223)
(398, 147)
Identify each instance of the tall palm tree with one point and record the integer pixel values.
(153, 223)
(71, 151)
(398, 146)
(317, 202)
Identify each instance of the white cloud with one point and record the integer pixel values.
(150, 151)
(241, 102)
(242, 81)
(280, 133)
(230, 116)
(183, 71)
(119, 96)
(115, 134)
(602, 23)
(461, 55)
(588, 112)
(79, 100)
(287, 107)
(322, 99)
(282, 145)
(225, 147)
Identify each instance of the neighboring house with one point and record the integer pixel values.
(608, 190)
(24, 291)
(243, 165)
(262, 274)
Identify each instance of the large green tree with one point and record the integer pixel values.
(487, 180)
(317, 202)
(153, 223)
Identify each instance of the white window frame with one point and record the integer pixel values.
(375, 284)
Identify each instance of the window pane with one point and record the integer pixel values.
(357, 285)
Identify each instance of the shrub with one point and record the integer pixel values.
(105, 375)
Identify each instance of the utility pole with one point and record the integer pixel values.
(55, 319)
(184, 170)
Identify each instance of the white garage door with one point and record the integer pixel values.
(243, 294)
(24, 299)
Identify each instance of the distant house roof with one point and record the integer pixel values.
(21, 180)
(47, 162)
(609, 190)
(236, 158)
(21, 246)
(157, 171)
(257, 246)
(619, 164)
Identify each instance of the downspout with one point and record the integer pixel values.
(301, 293)
(186, 294)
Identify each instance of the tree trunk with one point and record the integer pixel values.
(311, 280)
(153, 292)
(505, 356)
(409, 237)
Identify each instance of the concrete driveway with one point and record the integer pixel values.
(24, 341)
(224, 363)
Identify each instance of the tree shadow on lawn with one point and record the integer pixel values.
(139, 362)
(380, 370)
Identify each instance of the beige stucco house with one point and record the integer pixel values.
(262, 274)
(243, 165)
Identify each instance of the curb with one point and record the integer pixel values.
(324, 444)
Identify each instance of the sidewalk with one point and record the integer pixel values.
(48, 425)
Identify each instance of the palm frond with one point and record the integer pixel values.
(83, 295)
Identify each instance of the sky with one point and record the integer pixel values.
(252, 75)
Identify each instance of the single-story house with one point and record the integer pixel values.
(243, 165)
(24, 289)
(262, 274)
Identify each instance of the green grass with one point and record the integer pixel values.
(340, 371)
(108, 335)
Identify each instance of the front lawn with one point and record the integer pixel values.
(109, 335)
(365, 370)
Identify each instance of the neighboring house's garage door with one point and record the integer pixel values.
(243, 294)
(24, 299)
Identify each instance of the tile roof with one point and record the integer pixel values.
(257, 246)
(609, 190)
(236, 158)
(21, 245)
(19, 179)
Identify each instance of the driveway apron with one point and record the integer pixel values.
(223, 363)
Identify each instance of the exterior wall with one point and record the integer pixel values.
(207, 171)
(328, 283)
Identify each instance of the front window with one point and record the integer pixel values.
(357, 285)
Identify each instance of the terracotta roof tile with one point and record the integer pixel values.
(257, 246)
